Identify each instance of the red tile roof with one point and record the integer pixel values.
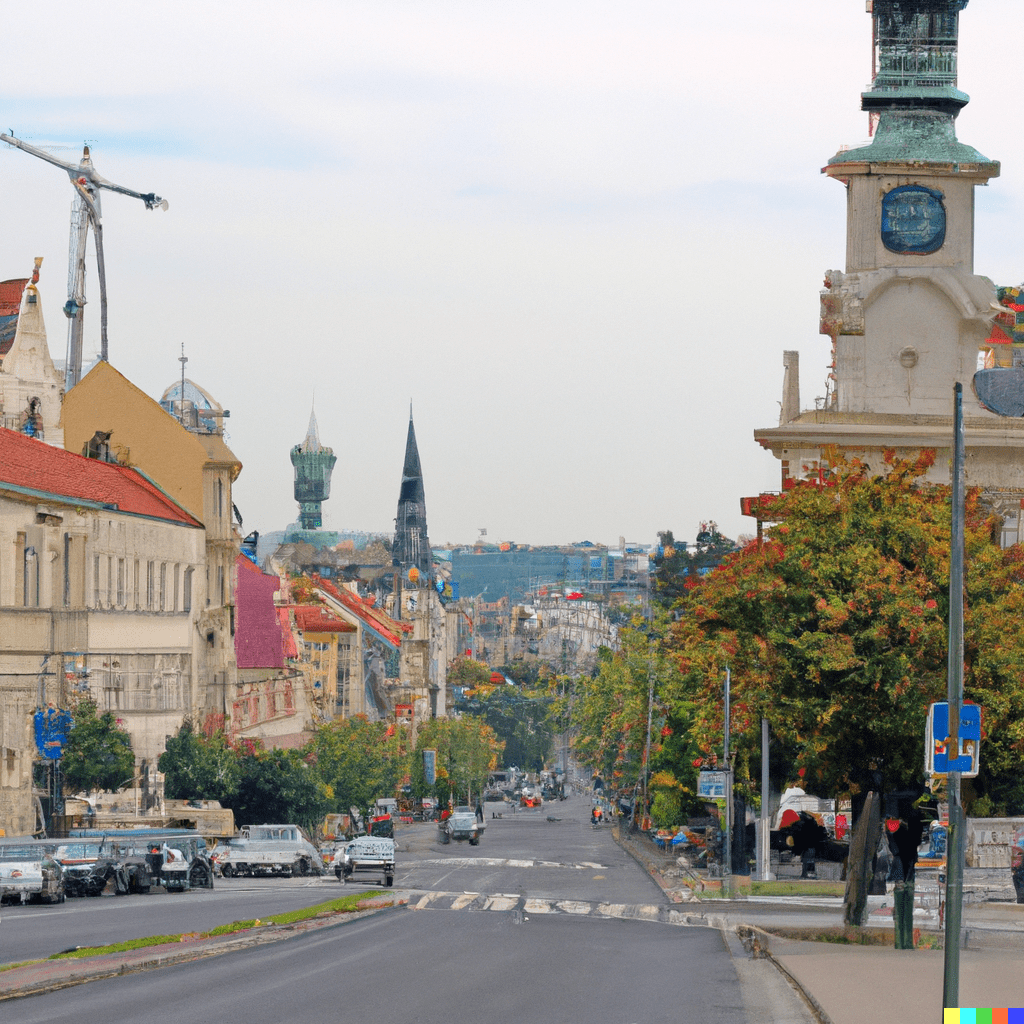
(362, 607)
(39, 469)
(314, 618)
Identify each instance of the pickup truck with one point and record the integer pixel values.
(367, 854)
(460, 825)
(269, 850)
(28, 872)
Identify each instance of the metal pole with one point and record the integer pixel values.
(727, 831)
(764, 853)
(954, 693)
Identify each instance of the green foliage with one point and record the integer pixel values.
(359, 761)
(520, 723)
(98, 754)
(195, 767)
(666, 811)
(278, 786)
(835, 630)
(609, 714)
(468, 673)
(467, 752)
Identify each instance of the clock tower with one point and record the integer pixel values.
(908, 317)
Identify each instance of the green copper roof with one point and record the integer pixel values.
(915, 136)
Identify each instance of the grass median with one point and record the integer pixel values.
(343, 905)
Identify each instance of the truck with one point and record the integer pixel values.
(28, 872)
(368, 855)
(137, 859)
(269, 850)
(462, 824)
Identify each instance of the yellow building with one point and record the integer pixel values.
(185, 455)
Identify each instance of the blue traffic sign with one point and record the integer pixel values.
(938, 759)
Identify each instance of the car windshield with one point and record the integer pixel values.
(78, 851)
(21, 853)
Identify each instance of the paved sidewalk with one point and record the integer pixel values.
(855, 984)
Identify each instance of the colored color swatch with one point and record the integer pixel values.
(963, 1015)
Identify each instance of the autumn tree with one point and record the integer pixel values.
(519, 720)
(467, 752)
(609, 714)
(468, 673)
(834, 629)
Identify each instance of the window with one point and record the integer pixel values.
(120, 583)
(150, 585)
(109, 596)
(163, 586)
(175, 606)
(135, 585)
(187, 599)
(96, 598)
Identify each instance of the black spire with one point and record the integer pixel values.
(411, 548)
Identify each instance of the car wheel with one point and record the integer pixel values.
(389, 880)
(226, 870)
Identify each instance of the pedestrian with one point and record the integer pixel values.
(903, 831)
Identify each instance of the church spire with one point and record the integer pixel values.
(411, 548)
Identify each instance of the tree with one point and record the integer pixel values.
(519, 721)
(834, 629)
(359, 761)
(468, 673)
(197, 767)
(467, 752)
(609, 715)
(98, 754)
(278, 786)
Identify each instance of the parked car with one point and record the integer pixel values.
(270, 850)
(461, 825)
(29, 873)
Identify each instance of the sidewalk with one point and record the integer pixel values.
(853, 984)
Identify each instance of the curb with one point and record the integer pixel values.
(758, 944)
(150, 958)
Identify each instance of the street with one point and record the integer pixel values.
(546, 920)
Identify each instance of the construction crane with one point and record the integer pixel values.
(85, 212)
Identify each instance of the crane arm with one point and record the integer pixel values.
(77, 170)
(152, 201)
(41, 153)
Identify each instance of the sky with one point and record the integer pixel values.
(576, 237)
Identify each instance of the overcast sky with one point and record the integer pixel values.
(577, 236)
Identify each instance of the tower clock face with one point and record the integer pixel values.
(913, 220)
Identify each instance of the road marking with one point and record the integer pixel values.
(500, 862)
(574, 907)
(501, 903)
(532, 906)
(504, 903)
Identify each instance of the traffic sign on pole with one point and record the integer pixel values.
(938, 758)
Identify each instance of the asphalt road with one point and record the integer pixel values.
(545, 920)
(428, 967)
